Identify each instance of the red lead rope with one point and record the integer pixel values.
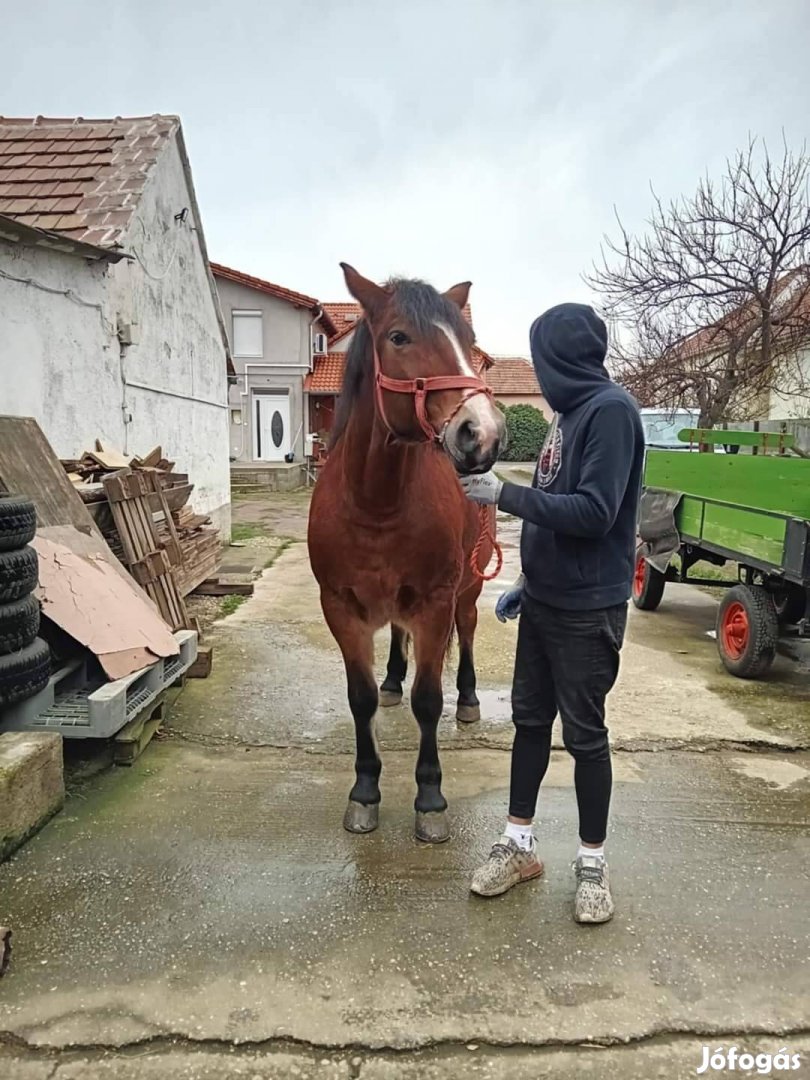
(485, 534)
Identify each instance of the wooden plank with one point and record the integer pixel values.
(224, 588)
(144, 553)
(201, 668)
(29, 467)
(153, 457)
(775, 483)
(134, 737)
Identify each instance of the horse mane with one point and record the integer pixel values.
(422, 306)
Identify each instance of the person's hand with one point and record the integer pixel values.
(484, 489)
(509, 603)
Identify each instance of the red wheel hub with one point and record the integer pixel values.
(735, 630)
(640, 576)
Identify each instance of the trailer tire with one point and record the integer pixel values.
(19, 624)
(24, 673)
(19, 574)
(648, 584)
(747, 631)
(18, 522)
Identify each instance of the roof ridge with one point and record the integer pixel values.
(75, 121)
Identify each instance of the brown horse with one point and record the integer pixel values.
(391, 533)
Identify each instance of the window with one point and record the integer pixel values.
(247, 333)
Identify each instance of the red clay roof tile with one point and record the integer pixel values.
(512, 375)
(77, 158)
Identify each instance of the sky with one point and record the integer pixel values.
(451, 140)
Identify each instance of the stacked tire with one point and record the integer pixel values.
(25, 659)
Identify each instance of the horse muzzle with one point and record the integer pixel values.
(475, 436)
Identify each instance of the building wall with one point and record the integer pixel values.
(286, 360)
(59, 357)
(176, 371)
(61, 362)
(789, 406)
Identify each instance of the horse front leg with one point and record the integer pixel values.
(468, 709)
(431, 635)
(356, 643)
(397, 669)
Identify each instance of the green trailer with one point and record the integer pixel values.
(750, 510)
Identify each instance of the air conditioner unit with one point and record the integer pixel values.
(319, 344)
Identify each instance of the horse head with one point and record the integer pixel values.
(426, 387)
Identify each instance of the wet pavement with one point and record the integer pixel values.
(203, 914)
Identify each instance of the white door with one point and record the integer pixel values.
(271, 425)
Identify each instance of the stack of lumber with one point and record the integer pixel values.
(193, 543)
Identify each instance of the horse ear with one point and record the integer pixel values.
(459, 294)
(370, 296)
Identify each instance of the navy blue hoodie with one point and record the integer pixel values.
(579, 531)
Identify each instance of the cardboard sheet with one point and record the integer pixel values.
(86, 592)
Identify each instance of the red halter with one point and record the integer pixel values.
(420, 388)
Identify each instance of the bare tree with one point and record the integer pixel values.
(715, 296)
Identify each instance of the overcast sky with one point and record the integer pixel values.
(446, 139)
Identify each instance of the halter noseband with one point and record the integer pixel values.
(419, 390)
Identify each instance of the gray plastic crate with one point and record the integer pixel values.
(78, 711)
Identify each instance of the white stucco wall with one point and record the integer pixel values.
(59, 357)
(60, 360)
(787, 405)
(286, 346)
(176, 372)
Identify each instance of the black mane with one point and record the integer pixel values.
(422, 307)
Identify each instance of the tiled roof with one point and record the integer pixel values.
(512, 375)
(81, 178)
(279, 291)
(327, 374)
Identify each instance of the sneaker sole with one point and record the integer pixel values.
(589, 920)
(518, 880)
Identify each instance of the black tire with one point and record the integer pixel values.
(19, 574)
(18, 522)
(19, 624)
(24, 673)
(747, 631)
(648, 585)
(790, 604)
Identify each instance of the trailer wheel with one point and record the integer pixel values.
(648, 585)
(747, 630)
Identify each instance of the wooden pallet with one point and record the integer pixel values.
(150, 559)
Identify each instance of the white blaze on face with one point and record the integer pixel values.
(479, 408)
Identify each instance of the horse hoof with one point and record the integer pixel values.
(468, 714)
(432, 828)
(390, 698)
(360, 818)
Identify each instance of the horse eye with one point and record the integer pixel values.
(396, 337)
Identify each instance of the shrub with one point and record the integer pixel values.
(527, 429)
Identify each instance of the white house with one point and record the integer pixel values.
(110, 325)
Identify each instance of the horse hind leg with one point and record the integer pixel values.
(468, 709)
(357, 646)
(391, 689)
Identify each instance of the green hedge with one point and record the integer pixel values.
(527, 429)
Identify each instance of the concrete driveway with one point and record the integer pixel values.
(204, 915)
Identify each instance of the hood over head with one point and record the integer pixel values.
(568, 344)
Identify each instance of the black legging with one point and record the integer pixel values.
(592, 779)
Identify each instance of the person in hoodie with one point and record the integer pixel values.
(577, 558)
